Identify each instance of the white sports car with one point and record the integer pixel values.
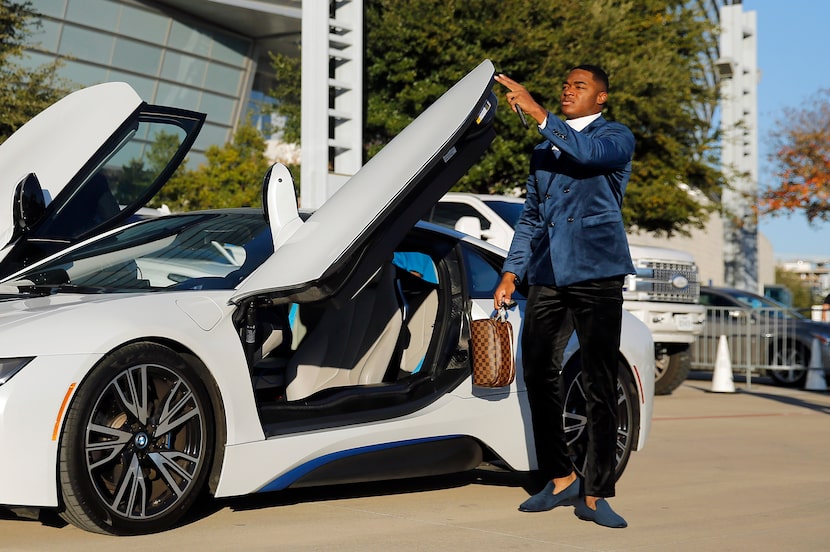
(250, 350)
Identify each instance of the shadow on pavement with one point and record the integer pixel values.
(821, 404)
(795, 401)
(486, 474)
(45, 516)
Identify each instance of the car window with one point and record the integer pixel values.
(483, 273)
(738, 299)
(192, 251)
(507, 210)
(711, 300)
(750, 301)
(120, 180)
(447, 213)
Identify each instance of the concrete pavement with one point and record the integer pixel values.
(721, 472)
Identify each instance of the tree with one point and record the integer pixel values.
(24, 92)
(176, 193)
(801, 161)
(654, 51)
(230, 177)
(802, 294)
(288, 89)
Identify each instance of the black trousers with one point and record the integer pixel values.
(594, 310)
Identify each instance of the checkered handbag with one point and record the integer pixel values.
(491, 342)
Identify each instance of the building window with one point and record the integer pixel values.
(169, 61)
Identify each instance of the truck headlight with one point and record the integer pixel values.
(11, 366)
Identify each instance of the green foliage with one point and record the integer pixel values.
(288, 90)
(175, 193)
(653, 51)
(802, 294)
(24, 92)
(231, 177)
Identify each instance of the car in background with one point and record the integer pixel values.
(662, 293)
(241, 351)
(762, 334)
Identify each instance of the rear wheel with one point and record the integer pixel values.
(575, 416)
(793, 354)
(137, 443)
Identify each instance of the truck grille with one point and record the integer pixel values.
(665, 282)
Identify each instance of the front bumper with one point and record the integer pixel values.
(31, 420)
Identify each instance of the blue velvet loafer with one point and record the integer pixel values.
(545, 500)
(603, 515)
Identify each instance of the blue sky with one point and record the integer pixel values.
(793, 61)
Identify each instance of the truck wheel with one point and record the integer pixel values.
(672, 364)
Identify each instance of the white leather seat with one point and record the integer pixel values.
(420, 323)
(352, 345)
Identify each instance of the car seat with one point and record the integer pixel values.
(420, 323)
(350, 345)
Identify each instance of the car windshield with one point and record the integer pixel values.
(508, 210)
(758, 302)
(189, 251)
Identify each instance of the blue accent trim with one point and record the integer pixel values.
(292, 315)
(420, 364)
(289, 477)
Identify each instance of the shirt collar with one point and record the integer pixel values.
(581, 122)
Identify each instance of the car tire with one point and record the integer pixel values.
(672, 365)
(575, 416)
(791, 378)
(137, 443)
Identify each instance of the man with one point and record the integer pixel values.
(570, 248)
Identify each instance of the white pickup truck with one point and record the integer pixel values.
(663, 293)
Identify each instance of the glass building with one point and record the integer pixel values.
(205, 55)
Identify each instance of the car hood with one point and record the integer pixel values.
(342, 243)
(17, 310)
(84, 323)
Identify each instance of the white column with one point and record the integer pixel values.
(739, 154)
(314, 125)
(332, 97)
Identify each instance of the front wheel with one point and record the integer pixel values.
(136, 446)
(672, 364)
(575, 416)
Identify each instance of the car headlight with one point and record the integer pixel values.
(11, 366)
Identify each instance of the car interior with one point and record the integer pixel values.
(384, 349)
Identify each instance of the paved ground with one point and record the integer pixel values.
(721, 472)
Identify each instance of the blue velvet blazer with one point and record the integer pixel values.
(571, 227)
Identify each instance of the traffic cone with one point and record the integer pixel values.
(815, 372)
(722, 381)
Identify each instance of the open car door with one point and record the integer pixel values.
(84, 165)
(344, 242)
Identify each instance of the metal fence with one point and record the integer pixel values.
(759, 339)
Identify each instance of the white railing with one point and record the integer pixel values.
(759, 340)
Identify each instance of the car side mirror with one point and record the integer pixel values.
(469, 225)
(29, 204)
(279, 200)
